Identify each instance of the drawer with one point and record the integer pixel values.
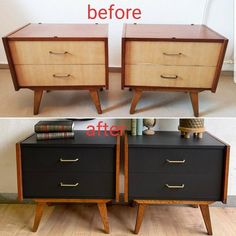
(169, 76)
(41, 53)
(63, 75)
(68, 159)
(173, 53)
(75, 185)
(176, 161)
(206, 187)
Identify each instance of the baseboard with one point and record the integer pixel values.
(11, 198)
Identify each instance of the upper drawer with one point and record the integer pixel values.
(61, 75)
(173, 53)
(169, 76)
(51, 52)
(68, 159)
(179, 161)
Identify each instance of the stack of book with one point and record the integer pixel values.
(136, 127)
(46, 130)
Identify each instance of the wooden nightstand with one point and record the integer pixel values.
(168, 169)
(184, 58)
(81, 170)
(46, 57)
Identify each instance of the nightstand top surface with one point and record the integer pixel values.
(81, 139)
(36, 31)
(171, 32)
(173, 139)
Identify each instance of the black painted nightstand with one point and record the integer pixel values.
(168, 169)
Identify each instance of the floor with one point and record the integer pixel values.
(84, 220)
(115, 102)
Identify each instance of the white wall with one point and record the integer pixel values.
(14, 130)
(219, 16)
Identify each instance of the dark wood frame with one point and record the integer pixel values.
(204, 205)
(193, 92)
(38, 90)
(41, 202)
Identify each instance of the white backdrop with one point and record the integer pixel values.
(219, 16)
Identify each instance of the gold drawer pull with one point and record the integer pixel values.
(169, 76)
(172, 54)
(175, 186)
(64, 160)
(58, 53)
(61, 76)
(176, 162)
(69, 185)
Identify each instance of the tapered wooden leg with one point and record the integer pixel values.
(38, 215)
(103, 212)
(95, 97)
(195, 103)
(206, 217)
(136, 98)
(37, 100)
(139, 220)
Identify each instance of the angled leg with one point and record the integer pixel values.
(136, 98)
(95, 97)
(103, 213)
(37, 100)
(139, 220)
(206, 217)
(38, 215)
(195, 103)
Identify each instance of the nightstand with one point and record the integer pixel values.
(81, 170)
(168, 169)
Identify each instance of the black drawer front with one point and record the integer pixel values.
(48, 185)
(68, 159)
(196, 187)
(189, 161)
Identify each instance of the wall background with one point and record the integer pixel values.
(14, 130)
(218, 15)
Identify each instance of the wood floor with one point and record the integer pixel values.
(84, 220)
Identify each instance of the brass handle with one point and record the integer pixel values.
(69, 185)
(65, 160)
(61, 76)
(175, 186)
(169, 76)
(58, 53)
(176, 162)
(172, 54)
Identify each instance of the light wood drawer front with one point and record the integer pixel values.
(64, 75)
(164, 76)
(168, 53)
(46, 53)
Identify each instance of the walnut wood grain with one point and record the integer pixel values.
(96, 100)
(38, 94)
(206, 217)
(139, 220)
(195, 103)
(136, 98)
(103, 213)
(38, 215)
(19, 172)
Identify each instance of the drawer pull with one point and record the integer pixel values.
(176, 162)
(175, 186)
(172, 54)
(65, 160)
(169, 76)
(61, 76)
(58, 53)
(69, 185)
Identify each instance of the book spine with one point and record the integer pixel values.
(53, 128)
(140, 127)
(48, 136)
(133, 127)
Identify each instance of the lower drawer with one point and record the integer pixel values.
(169, 76)
(69, 185)
(61, 75)
(175, 187)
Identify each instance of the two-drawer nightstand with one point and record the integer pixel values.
(168, 169)
(184, 58)
(81, 170)
(45, 57)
